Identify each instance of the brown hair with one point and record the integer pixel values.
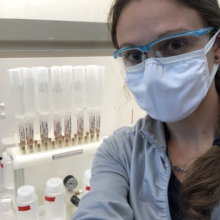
(200, 191)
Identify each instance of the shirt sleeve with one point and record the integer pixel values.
(107, 199)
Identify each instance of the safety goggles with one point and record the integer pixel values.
(172, 45)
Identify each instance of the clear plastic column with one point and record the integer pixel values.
(30, 105)
(29, 92)
(17, 92)
(94, 96)
(91, 72)
(57, 99)
(99, 97)
(19, 107)
(67, 75)
(43, 100)
(79, 98)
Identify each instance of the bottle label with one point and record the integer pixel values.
(70, 119)
(45, 129)
(22, 133)
(50, 199)
(80, 125)
(41, 127)
(24, 208)
(88, 188)
(31, 132)
(98, 122)
(92, 123)
(26, 131)
(54, 128)
(66, 126)
(58, 128)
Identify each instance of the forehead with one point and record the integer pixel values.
(143, 21)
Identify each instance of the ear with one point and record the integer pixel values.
(217, 50)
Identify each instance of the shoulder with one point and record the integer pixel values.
(123, 138)
(118, 147)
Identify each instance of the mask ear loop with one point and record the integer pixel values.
(207, 48)
(209, 45)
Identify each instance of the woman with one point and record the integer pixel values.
(170, 50)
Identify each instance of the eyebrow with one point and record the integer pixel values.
(167, 33)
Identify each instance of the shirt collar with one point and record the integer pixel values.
(153, 131)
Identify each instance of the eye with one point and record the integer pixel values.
(132, 57)
(175, 45)
(135, 56)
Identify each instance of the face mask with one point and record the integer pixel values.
(170, 89)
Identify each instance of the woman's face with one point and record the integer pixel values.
(142, 22)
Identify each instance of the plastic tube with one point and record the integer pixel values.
(67, 127)
(98, 124)
(80, 125)
(29, 101)
(29, 91)
(95, 84)
(99, 86)
(43, 102)
(57, 89)
(43, 90)
(91, 90)
(57, 97)
(99, 97)
(29, 130)
(22, 136)
(45, 129)
(79, 88)
(36, 89)
(67, 75)
(17, 92)
(57, 127)
(92, 121)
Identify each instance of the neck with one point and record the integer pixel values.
(196, 133)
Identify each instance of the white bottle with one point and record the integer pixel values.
(7, 171)
(27, 206)
(86, 182)
(55, 200)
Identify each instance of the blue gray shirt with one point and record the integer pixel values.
(130, 176)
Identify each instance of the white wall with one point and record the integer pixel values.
(71, 10)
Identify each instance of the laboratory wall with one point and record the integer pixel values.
(117, 110)
(69, 10)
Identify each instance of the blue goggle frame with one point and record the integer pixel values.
(147, 47)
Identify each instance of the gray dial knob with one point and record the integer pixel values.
(70, 182)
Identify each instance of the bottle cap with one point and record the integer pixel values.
(54, 185)
(26, 192)
(87, 175)
(6, 157)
